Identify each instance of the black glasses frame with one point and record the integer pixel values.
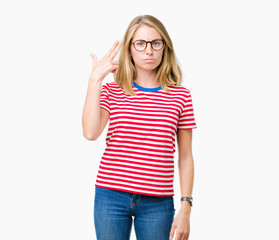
(146, 42)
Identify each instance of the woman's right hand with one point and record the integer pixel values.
(101, 68)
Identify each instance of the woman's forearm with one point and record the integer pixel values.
(91, 110)
(186, 176)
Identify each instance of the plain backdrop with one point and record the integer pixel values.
(229, 54)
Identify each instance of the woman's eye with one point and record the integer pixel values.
(140, 44)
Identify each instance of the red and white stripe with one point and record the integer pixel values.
(140, 142)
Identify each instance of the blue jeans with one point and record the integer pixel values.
(113, 211)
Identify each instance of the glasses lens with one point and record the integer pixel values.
(140, 45)
(157, 44)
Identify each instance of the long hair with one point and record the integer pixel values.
(168, 71)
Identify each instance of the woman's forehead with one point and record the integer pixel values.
(146, 33)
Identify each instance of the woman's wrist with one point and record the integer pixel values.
(185, 207)
(94, 81)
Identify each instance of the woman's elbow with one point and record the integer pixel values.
(90, 137)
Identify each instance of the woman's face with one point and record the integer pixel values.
(148, 59)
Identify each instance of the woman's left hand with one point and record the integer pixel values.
(181, 224)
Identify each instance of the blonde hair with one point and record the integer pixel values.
(168, 72)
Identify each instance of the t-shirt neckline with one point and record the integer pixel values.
(146, 89)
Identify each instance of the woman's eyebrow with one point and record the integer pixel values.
(148, 41)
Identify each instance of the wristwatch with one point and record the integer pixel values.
(188, 199)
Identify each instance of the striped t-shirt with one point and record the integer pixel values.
(140, 142)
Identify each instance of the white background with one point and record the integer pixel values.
(229, 54)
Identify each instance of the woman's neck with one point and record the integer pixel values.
(147, 79)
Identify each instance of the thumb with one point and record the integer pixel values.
(94, 57)
(172, 232)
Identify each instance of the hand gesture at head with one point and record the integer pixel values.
(101, 68)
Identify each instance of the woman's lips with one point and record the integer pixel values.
(149, 60)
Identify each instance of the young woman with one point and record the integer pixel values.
(148, 108)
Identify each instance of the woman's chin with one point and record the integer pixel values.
(148, 67)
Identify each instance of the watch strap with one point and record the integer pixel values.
(188, 199)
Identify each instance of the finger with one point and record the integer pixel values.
(115, 51)
(172, 232)
(178, 236)
(115, 62)
(112, 48)
(94, 57)
(114, 68)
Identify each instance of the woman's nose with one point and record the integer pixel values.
(148, 48)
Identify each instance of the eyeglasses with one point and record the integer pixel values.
(156, 44)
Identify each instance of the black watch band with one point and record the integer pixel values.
(188, 199)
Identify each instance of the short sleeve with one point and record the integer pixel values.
(187, 118)
(104, 97)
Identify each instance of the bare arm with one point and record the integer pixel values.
(181, 223)
(94, 118)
